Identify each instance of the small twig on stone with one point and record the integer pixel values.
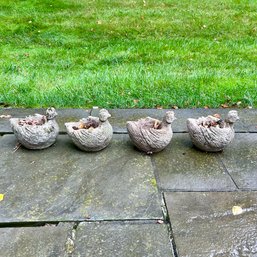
(16, 148)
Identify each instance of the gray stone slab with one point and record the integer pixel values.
(64, 183)
(33, 241)
(203, 223)
(247, 122)
(182, 167)
(64, 115)
(240, 159)
(126, 240)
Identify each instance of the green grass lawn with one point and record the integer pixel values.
(116, 53)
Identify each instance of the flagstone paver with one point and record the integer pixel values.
(240, 159)
(122, 239)
(182, 167)
(64, 115)
(203, 223)
(64, 183)
(34, 241)
(249, 119)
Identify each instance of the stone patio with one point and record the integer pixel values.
(120, 202)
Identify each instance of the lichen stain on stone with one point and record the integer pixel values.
(70, 246)
(153, 182)
(88, 200)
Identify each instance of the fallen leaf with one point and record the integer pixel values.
(224, 106)
(206, 107)
(237, 210)
(135, 101)
(1, 197)
(158, 107)
(175, 107)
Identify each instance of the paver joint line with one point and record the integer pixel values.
(171, 235)
(155, 173)
(163, 190)
(28, 224)
(226, 170)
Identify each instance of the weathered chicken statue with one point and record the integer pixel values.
(92, 133)
(211, 133)
(151, 135)
(36, 131)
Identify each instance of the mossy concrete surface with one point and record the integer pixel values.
(214, 223)
(240, 159)
(124, 239)
(62, 183)
(47, 240)
(183, 167)
(121, 202)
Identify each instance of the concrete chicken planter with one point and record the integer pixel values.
(151, 135)
(211, 133)
(92, 133)
(36, 131)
